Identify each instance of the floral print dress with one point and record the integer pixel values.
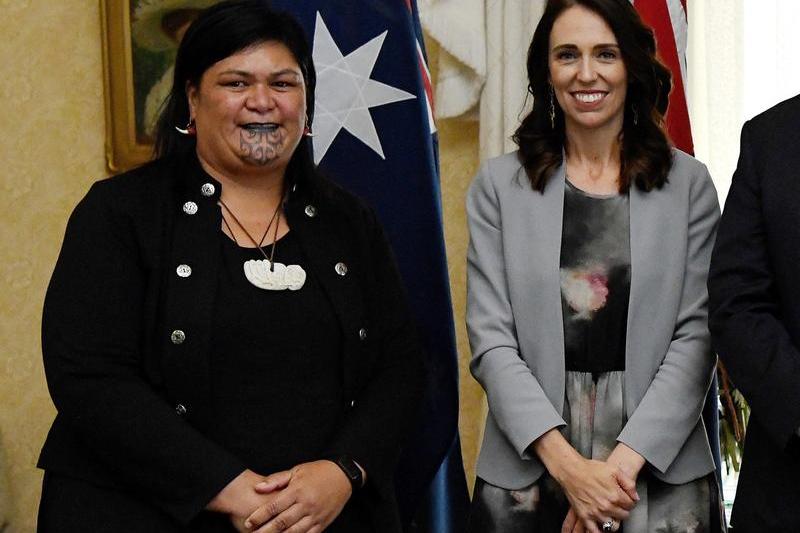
(595, 288)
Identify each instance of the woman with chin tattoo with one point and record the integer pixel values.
(225, 334)
(587, 310)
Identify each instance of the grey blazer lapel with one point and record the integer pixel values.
(653, 255)
(537, 295)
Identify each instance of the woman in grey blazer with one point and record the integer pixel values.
(589, 250)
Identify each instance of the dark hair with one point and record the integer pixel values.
(646, 154)
(219, 32)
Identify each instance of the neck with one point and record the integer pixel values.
(601, 143)
(593, 151)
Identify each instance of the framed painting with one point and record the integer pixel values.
(141, 39)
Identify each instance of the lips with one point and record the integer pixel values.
(260, 127)
(589, 97)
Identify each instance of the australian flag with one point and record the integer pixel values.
(374, 133)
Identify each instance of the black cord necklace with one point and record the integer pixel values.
(265, 273)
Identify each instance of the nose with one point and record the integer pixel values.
(260, 98)
(587, 72)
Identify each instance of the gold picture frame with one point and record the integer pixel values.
(123, 149)
(140, 41)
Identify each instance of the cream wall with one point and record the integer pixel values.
(51, 149)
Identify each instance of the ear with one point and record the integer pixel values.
(192, 96)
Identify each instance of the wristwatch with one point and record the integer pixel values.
(350, 469)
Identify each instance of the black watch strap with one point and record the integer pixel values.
(350, 469)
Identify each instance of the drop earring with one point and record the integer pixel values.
(552, 112)
(190, 130)
(635, 111)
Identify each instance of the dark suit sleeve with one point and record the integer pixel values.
(385, 408)
(91, 342)
(744, 316)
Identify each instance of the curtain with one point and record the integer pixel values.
(741, 62)
(714, 90)
(482, 71)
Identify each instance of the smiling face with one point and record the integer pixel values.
(587, 72)
(250, 109)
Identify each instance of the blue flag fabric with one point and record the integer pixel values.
(374, 134)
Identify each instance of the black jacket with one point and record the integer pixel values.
(754, 291)
(125, 390)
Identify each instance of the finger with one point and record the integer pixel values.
(274, 482)
(284, 521)
(238, 525)
(578, 527)
(615, 512)
(627, 484)
(569, 522)
(304, 525)
(270, 510)
(623, 499)
(616, 506)
(591, 526)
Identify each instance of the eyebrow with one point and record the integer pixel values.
(575, 47)
(274, 74)
(288, 71)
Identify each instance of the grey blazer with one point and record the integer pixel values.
(516, 327)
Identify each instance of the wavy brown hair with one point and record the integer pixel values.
(646, 154)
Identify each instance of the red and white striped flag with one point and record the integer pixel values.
(669, 22)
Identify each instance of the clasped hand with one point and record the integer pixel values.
(599, 491)
(305, 499)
